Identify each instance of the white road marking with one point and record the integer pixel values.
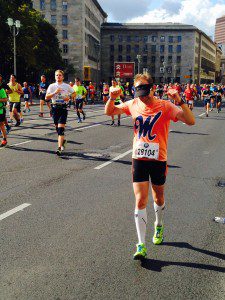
(20, 143)
(201, 114)
(114, 159)
(14, 210)
(81, 128)
(13, 145)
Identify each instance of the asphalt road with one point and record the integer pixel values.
(67, 224)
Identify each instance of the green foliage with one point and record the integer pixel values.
(38, 49)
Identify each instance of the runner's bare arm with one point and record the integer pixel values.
(20, 90)
(110, 108)
(185, 115)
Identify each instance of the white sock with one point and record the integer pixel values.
(140, 216)
(159, 214)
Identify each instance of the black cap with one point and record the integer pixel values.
(143, 90)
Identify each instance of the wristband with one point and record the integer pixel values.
(112, 99)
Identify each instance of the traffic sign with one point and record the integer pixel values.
(124, 69)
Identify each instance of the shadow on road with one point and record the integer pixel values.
(191, 133)
(157, 265)
(173, 167)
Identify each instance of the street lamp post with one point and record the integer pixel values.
(164, 73)
(14, 27)
(175, 69)
(139, 62)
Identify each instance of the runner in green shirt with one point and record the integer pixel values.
(3, 100)
(81, 93)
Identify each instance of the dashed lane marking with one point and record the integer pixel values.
(112, 160)
(14, 210)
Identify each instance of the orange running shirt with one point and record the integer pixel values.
(151, 127)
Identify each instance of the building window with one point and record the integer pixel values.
(65, 34)
(170, 48)
(53, 5)
(169, 70)
(128, 48)
(136, 48)
(65, 60)
(120, 38)
(65, 48)
(170, 59)
(179, 39)
(111, 48)
(112, 69)
(64, 20)
(112, 38)
(42, 4)
(153, 48)
(145, 59)
(64, 5)
(162, 38)
(162, 48)
(145, 48)
(178, 48)
(170, 39)
(153, 69)
(120, 48)
(128, 38)
(154, 38)
(136, 38)
(153, 59)
(145, 39)
(112, 58)
(178, 59)
(120, 58)
(178, 71)
(53, 20)
(128, 58)
(161, 59)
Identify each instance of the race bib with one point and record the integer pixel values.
(25, 96)
(146, 150)
(59, 99)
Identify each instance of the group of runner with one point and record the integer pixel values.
(56, 96)
(151, 119)
(211, 95)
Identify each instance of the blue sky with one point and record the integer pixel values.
(194, 12)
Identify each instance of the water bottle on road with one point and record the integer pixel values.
(219, 220)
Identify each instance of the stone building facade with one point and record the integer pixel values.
(78, 23)
(169, 52)
(220, 33)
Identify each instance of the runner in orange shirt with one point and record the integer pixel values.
(151, 117)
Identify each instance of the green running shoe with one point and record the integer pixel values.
(158, 235)
(141, 252)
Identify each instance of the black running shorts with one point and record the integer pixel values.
(16, 105)
(2, 116)
(79, 103)
(59, 114)
(143, 169)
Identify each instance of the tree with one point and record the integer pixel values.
(38, 49)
